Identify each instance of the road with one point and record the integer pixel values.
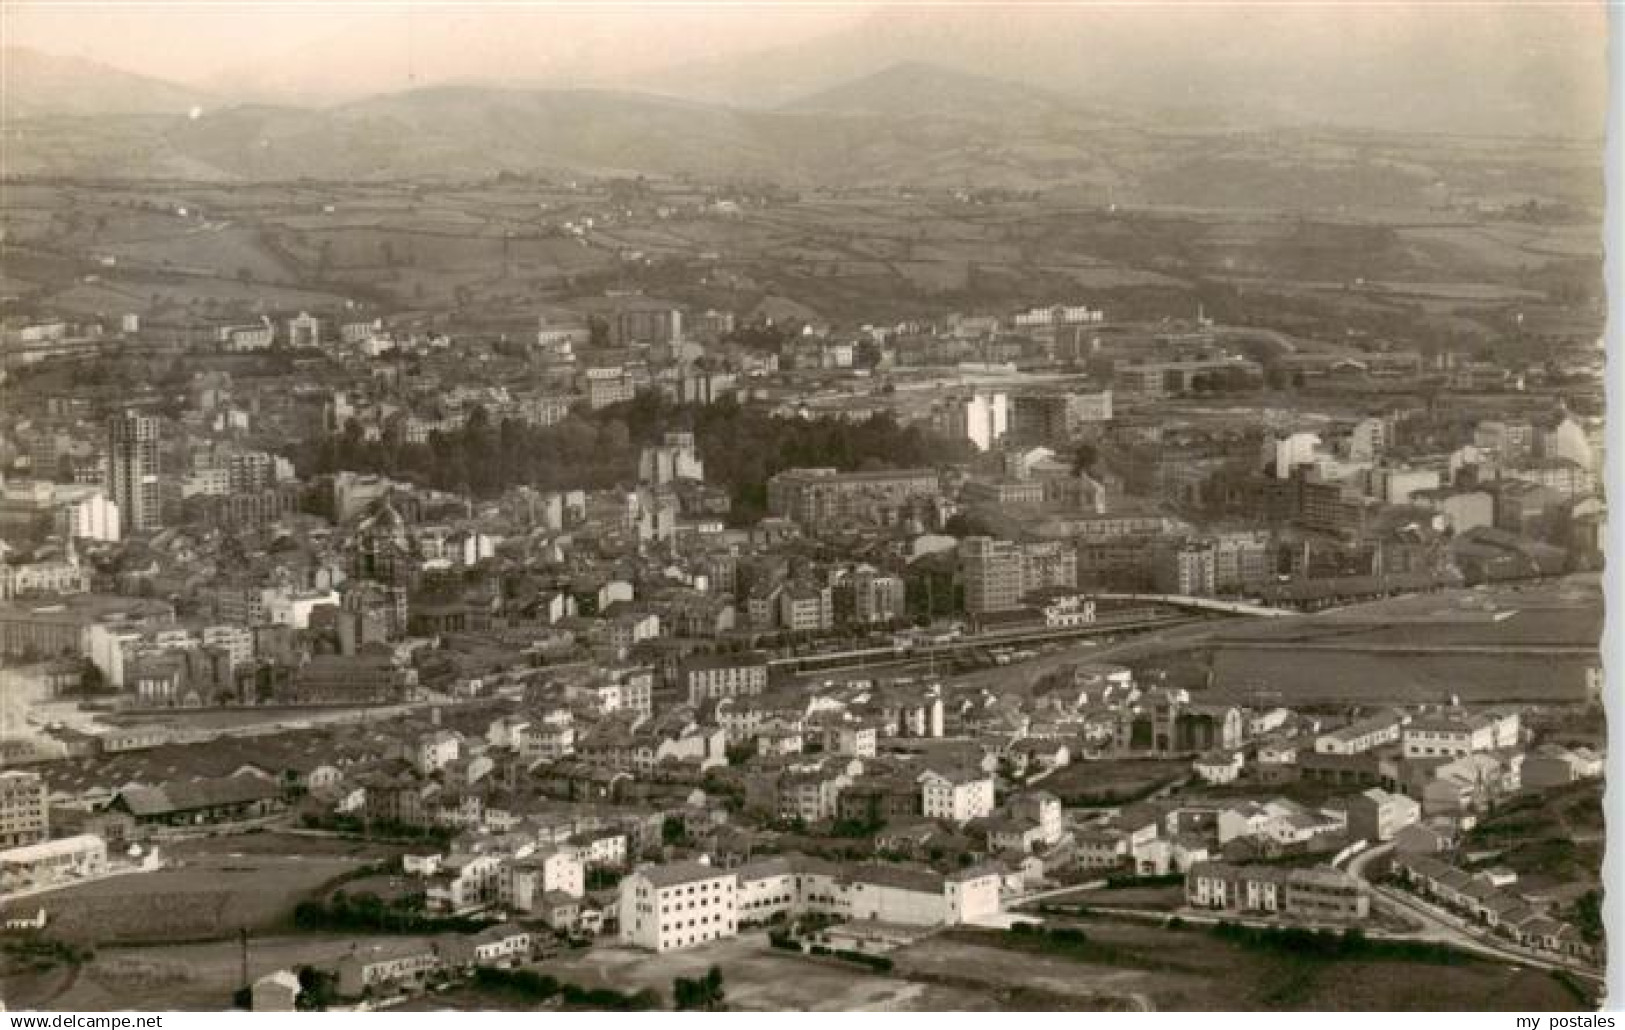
(1443, 928)
(1358, 647)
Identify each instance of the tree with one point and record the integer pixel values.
(673, 830)
(91, 680)
(705, 993)
(597, 332)
(1085, 458)
(1588, 915)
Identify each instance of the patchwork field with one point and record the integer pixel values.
(1239, 673)
(1190, 970)
(496, 248)
(182, 977)
(759, 979)
(203, 896)
(1112, 782)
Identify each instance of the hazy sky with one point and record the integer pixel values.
(1451, 63)
(369, 46)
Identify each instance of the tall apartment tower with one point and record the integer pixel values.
(992, 570)
(132, 470)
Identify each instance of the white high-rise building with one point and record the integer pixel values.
(982, 418)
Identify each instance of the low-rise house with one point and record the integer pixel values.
(1315, 895)
(956, 795)
(1041, 755)
(494, 946)
(1362, 735)
(1423, 839)
(1007, 834)
(466, 883)
(812, 795)
(559, 911)
(1552, 765)
(874, 800)
(1219, 768)
(523, 882)
(713, 677)
(201, 802)
(1376, 815)
(275, 992)
(1280, 822)
(601, 848)
(51, 862)
(853, 739)
(1465, 786)
(397, 965)
(1103, 850)
(1455, 734)
(1476, 896)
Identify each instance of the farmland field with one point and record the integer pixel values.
(1190, 970)
(501, 247)
(203, 896)
(759, 979)
(1112, 781)
(181, 977)
(1370, 678)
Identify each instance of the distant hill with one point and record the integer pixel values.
(470, 131)
(918, 89)
(1507, 70)
(911, 124)
(33, 84)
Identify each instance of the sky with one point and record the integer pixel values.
(1457, 63)
(347, 47)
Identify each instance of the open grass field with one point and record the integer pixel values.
(1373, 678)
(280, 845)
(1190, 970)
(1550, 838)
(759, 979)
(202, 896)
(1112, 782)
(182, 977)
(865, 254)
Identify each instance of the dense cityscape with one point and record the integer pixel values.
(608, 590)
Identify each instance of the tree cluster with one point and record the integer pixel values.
(367, 911)
(741, 446)
(536, 987)
(703, 993)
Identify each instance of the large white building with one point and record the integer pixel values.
(1454, 735)
(957, 797)
(667, 907)
(51, 862)
(982, 418)
(1286, 451)
(1361, 735)
(554, 870)
(674, 459)
(284, 607)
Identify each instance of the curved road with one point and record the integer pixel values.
(1437, 927)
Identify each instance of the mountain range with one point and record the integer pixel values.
(35, 84)
(836, 111)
